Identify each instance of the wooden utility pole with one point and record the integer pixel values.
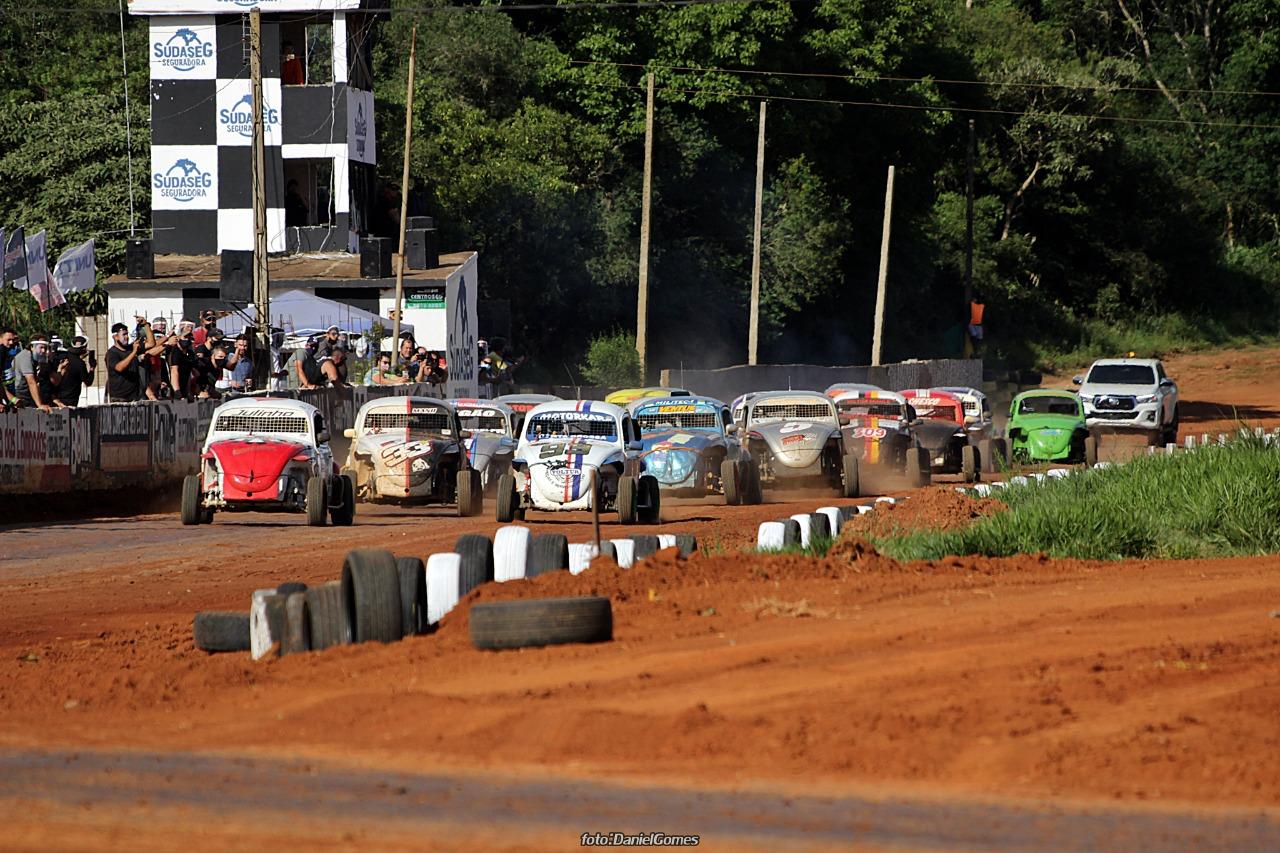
(404, 203)
(642, 301)
(261, 275)
(753, 330)
(877, 338)
(968, 222)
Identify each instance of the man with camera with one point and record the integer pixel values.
(70, 373)
(124, 381)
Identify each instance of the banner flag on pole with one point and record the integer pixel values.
(75, 270)
(15, 259)
(43, 287)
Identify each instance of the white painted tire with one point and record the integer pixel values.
(887, 500)
(1101, 465)
(666, 540)
(863, 509)
(999, 484)
(510, 553)
(1058, 473)
(625, 550)
(1018, 481)
(981, 490)
(442, 584)
(802, 518)
(834, 519)
(580, 557)
(771, 536)
(1039, 478)
(259, 630)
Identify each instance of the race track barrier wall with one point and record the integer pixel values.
(728, 383)
(138, 444)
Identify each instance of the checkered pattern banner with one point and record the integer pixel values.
(202, 133)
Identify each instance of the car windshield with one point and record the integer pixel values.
(870, 409)
(1056, 405)
(652, 420)
(933, 409)
(1122, 374)
(784, 410)
(422, 421)
(482, 420)
(561, 424)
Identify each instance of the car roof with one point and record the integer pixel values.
(401, 404)
(1047, 392)
(776, 395)
(473, 403)
(246, 403)
(595, 407)
(851, 386)
(961, 391)
(526, 398)
(877, 394)
(1149, 362)
(643, 402)
(913, 393)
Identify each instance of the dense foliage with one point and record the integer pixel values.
(1125, 178)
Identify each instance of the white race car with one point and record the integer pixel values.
(264, 454)
(493, 438)
(563, 445)
(794, 439)
(409, 450)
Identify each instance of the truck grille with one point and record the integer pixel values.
(1113, 403)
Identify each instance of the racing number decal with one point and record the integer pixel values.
(870, 432)
(793, 426)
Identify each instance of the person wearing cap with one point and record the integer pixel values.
(208, 321)
(30, 376)
(71, 374)
(333, 368)
(180, 357)
(308, 369)
(329, 342)
(124, 385)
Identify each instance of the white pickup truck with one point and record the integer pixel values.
(1130, 395)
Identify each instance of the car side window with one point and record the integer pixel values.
(319, 424)
(986, 410)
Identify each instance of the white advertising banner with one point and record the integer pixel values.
(460, 298)
(75, 270)
(361, 146)
(184, 177)
(227, 7)
(235, 112)
(183, 48)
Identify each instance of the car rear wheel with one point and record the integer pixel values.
(192, 512)
(470, 493)
(626, 499)
(730, 482)
(917, 468)
(969, 462)
(344, 511)
(850, 486)
(317, 501)
(508, 499)
(650, 502)
(756, 489)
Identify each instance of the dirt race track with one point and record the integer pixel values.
(760, 702)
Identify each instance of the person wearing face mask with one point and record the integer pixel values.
(180, 358)
(9, 350)
(72, 374)
(207, 372)
(308, 369)
(29, 369)
(124, 383)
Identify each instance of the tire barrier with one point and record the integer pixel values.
(510, 553)
(442, 585)
(259, 632)
(541, 622)
(834, 519)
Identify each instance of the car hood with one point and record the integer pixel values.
(1030, 423)
(1093, 390)
(254, 463)
(392, 452)
(795, 444)
(559, 470)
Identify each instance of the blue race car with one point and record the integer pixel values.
(691, 446)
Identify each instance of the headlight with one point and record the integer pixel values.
(1086, 398)
(1150, 398)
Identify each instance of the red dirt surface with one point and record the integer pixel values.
(1149, 681)
(934, 508)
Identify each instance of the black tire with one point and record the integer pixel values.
(547, 553)
(925, 465)
(988, 458)
(626, 500)
(290, 587)
(541, 622)
(607, 550)
(757, 487)
(969, 462)
(297, 625)
(277, 621)
(345, 512)
(413, 595)
(317, 501)
(650, 509)
(846, 513)
(192, 512)
(730, 480)
(687, 543)
(476, 565)
(221, 631)
(850, 485)
(819, 526)
(330, 621)
(791, 532)
(1001, 448)
(470, 493)
(1090, 452)
(646, 545)
(371, 587)
(911, 467)
(508, 499)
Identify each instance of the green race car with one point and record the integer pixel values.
(1048, 426)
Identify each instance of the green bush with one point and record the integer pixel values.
(612, 361)
(1214, 501)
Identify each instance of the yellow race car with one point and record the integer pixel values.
(627, 396)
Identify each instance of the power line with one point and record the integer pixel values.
(854, 77)
(511, 7)
(929, 108)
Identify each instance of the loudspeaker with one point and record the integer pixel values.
(422, 248)
(413, 222)
(139, 260)
(236, 283)
(375, 257)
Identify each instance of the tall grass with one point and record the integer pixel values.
(1214, 501)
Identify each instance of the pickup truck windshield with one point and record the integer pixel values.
(1122, 374)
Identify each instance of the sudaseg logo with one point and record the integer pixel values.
(183, 181)
(183, 51)
(239, 119)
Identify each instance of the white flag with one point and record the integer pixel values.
(75, 270)
(43, 288)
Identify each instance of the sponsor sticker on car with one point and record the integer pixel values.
(795, 439)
